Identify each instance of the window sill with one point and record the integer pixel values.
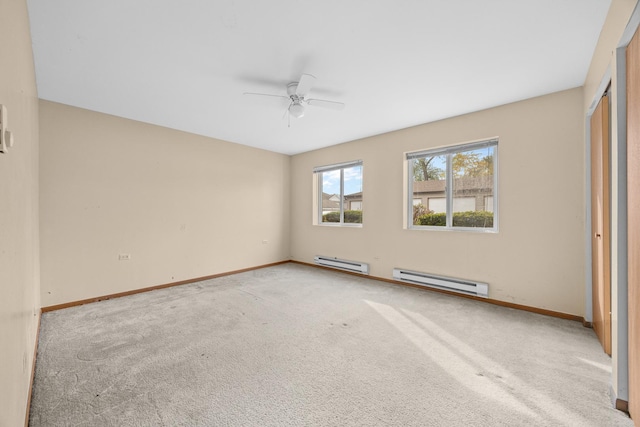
(334, 224)
(454, 229)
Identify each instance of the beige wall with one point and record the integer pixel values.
(19, 265)
(184, 206)
(536, 258)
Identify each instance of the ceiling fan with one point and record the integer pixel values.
(297, 95)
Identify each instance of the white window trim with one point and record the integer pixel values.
(449, 152)
(319, 190)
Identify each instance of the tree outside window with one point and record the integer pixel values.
(455, 187)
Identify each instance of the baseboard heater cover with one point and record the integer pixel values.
(462, 286)
(342, 264)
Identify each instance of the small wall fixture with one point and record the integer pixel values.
(6, 137)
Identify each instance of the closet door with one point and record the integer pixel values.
(600, 218)
(633, 215)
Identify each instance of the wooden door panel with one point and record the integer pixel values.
(633, 217)
(600, 236)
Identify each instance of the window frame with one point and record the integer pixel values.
(317, 172)
(449, 152)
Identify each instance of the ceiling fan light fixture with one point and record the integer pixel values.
(296, 110)
(297, 98)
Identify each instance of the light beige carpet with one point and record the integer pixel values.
(292, 345)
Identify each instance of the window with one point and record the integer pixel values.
(355, 206)
(488, 203)
(437, 204)
(339, 193)
(458, 185)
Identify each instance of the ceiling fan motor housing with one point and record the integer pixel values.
(297, 93)
(296, 109)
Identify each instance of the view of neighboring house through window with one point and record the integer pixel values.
(454, 187)
(340, 193)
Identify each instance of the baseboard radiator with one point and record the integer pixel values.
(342, 264)
(462, 286)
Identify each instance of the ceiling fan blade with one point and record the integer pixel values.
(305, 84)
(326, 104)
(266, 94)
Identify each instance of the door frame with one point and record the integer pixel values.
(620, 373)
(619, 391)
(633, 27)
(619, 388)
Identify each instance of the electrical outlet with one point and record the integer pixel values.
(3, 129)
(8, 138)
(124, 257)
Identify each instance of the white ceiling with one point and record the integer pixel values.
(185, 64)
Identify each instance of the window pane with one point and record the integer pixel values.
(429, 178)
(353, 195)
(464, 204)
(488, 203)
(330, 196)
(437, 204)
(472, 185)
(340, 191)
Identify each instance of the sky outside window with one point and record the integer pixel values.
(352, 181)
